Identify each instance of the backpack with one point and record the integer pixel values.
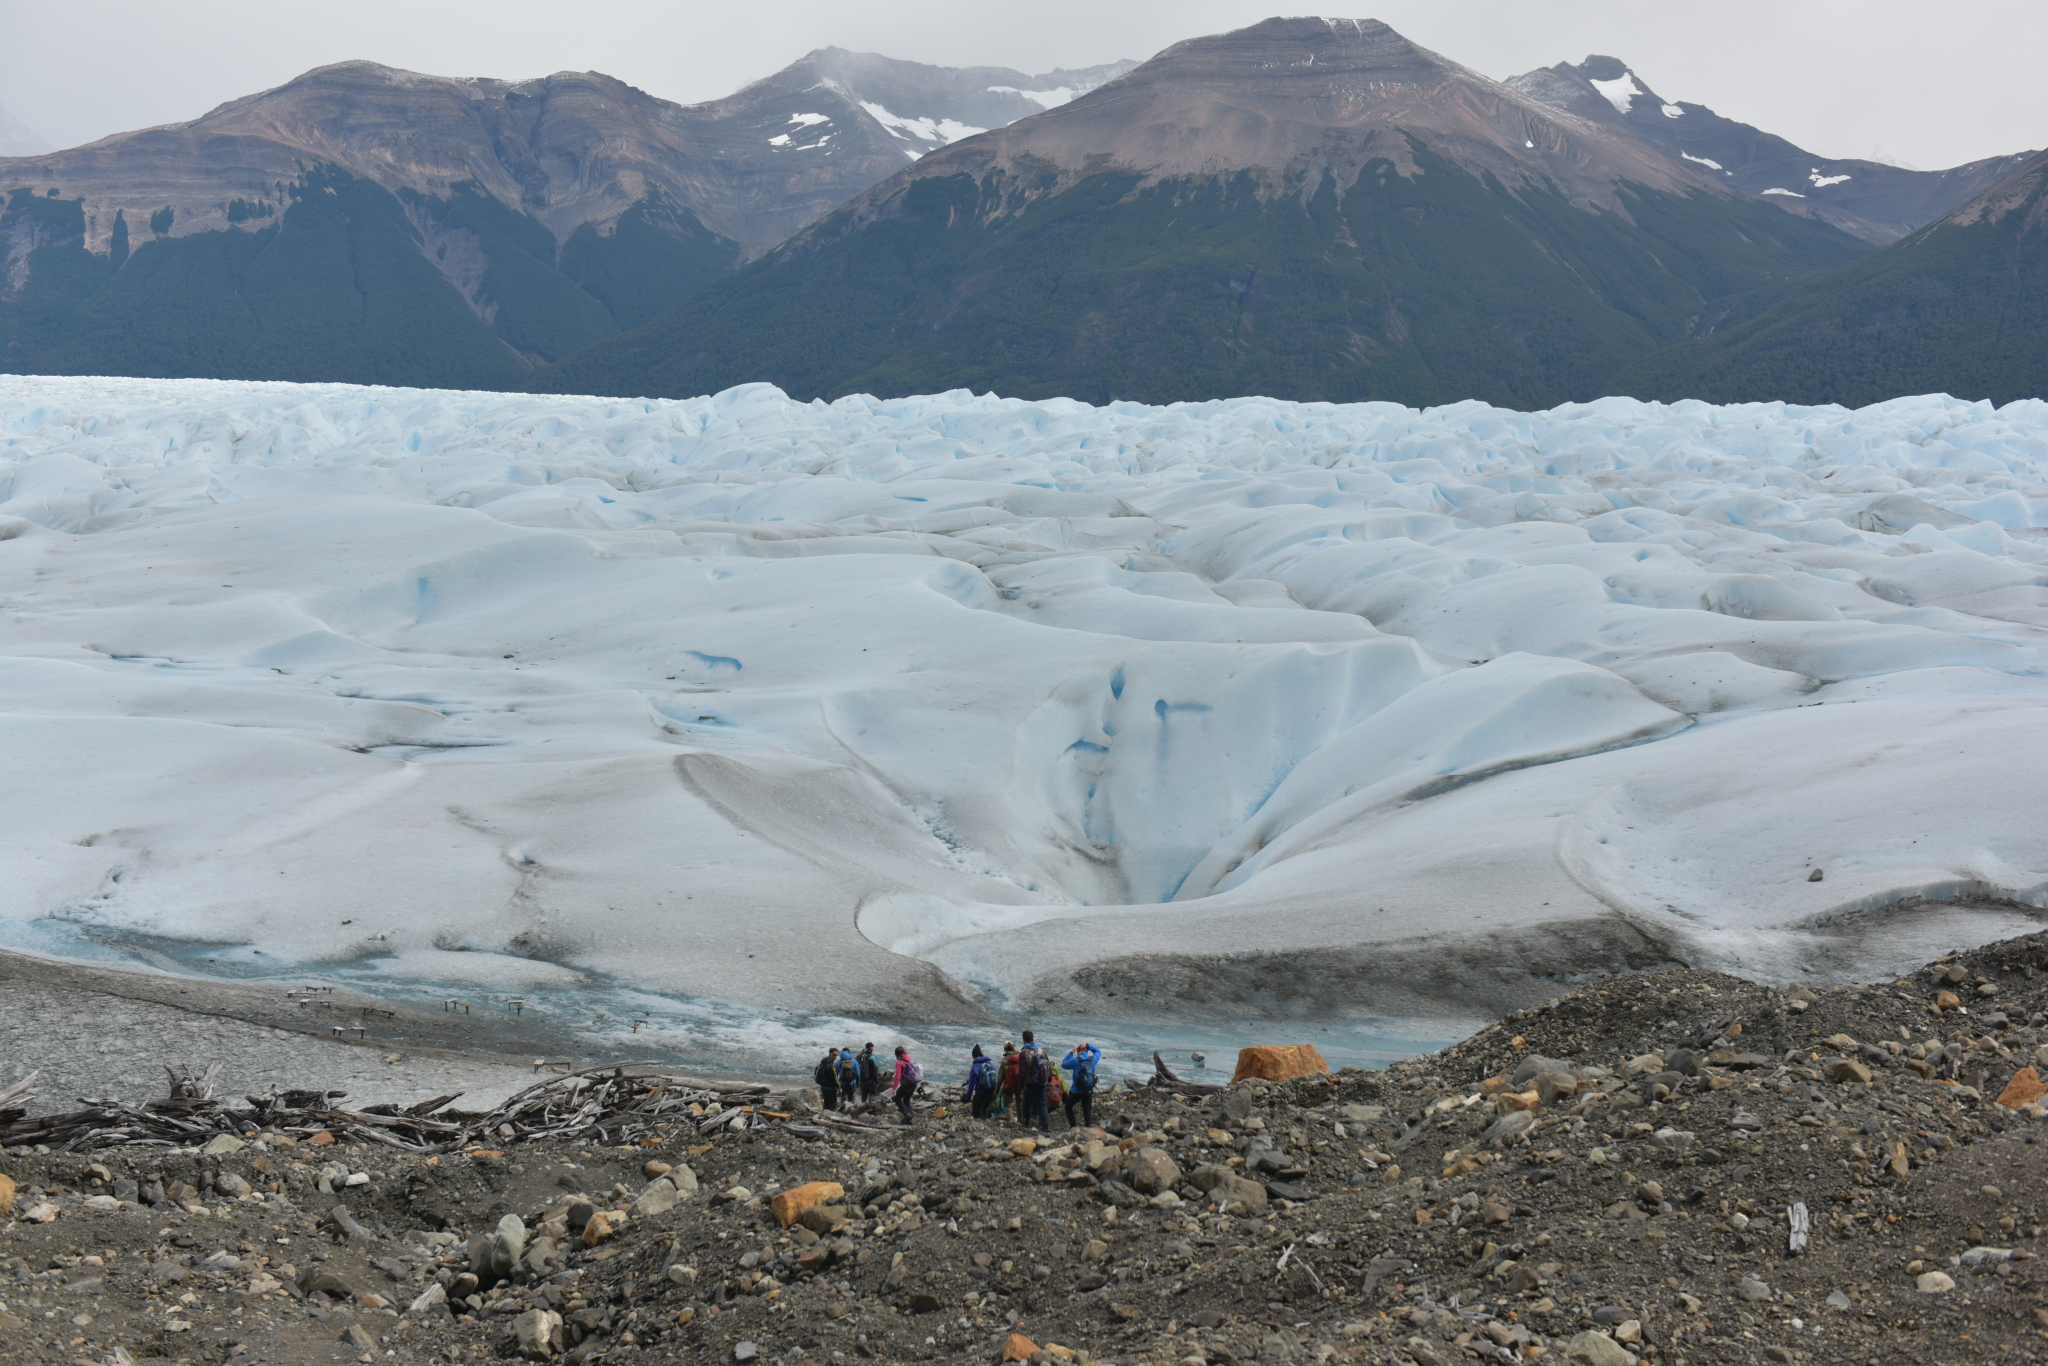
(981, 1076)
(1038, 1070)
(913, 1075)
(849, 1072)
(825, 1076)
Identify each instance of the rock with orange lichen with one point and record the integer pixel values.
(1279, 1062)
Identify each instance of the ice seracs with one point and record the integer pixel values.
(783, 705)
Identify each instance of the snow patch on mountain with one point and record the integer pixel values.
(938, 132)
(1620, 92)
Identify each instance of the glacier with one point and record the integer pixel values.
(912, 711)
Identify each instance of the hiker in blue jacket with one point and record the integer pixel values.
(1080, 1066)
(870, 1074)
(981, 1083)
(849, 1075)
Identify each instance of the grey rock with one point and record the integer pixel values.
(1153, 1171)
(1752, 1290)
(534, 1333)
(1534, 1066)
(232, 1186)
(1598, 1349)
(1673, 1138)
(659, 1198)
(1509, 1128)
(745, 1351)
(508, 1245)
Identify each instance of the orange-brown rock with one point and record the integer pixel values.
(2025, 1088)
(790, 1205)
(6, 1194)
(1516, 1100)
(602, 1225)
(1278, 1062)
(1945, 1000)
(1017, 1347)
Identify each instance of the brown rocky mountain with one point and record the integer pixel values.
(369, 224)
(1306, 208)
(570, 149)
(1295, 97)
(1875, 201)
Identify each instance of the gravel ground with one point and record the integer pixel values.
(1618, 1177)
(98, 1032)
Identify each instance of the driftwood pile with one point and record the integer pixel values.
(616, 1103)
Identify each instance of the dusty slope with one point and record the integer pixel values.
(1684, 1125)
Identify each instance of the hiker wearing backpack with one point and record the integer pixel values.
(870, 1074)
(1035, 1069)
(827, 1076)
(1009, 1086)
(981, 1083)
(908, 1075)
(849, 1077)
(1081, 1064)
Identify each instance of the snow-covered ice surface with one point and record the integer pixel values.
(762, 718)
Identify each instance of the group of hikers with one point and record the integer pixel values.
(1024, 1083)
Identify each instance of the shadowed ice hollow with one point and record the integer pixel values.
(909, 709)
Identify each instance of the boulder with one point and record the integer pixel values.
(2025, 1088)
(602, 1226)
(1235, 1107)
(1237, 1190)
(508, 1245)
(659, 1198)
(1534, 1066)
(1152, 1171)
(682, 1178)
(536, 1332)
(1278, 1062)
(790, 1205)
(822, 1219)
(1598, 1349)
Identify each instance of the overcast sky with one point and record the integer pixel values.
(1933, 85)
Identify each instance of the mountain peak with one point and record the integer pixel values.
(1293, 97)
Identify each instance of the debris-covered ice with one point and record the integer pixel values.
(1093, 709)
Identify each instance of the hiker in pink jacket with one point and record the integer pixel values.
(908, 1075)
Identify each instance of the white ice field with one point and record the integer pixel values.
(743, 711)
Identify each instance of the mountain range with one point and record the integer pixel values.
(1307, 208)
(1873, 200)
(1960, 306)
(1314, 209)
(370, 224)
